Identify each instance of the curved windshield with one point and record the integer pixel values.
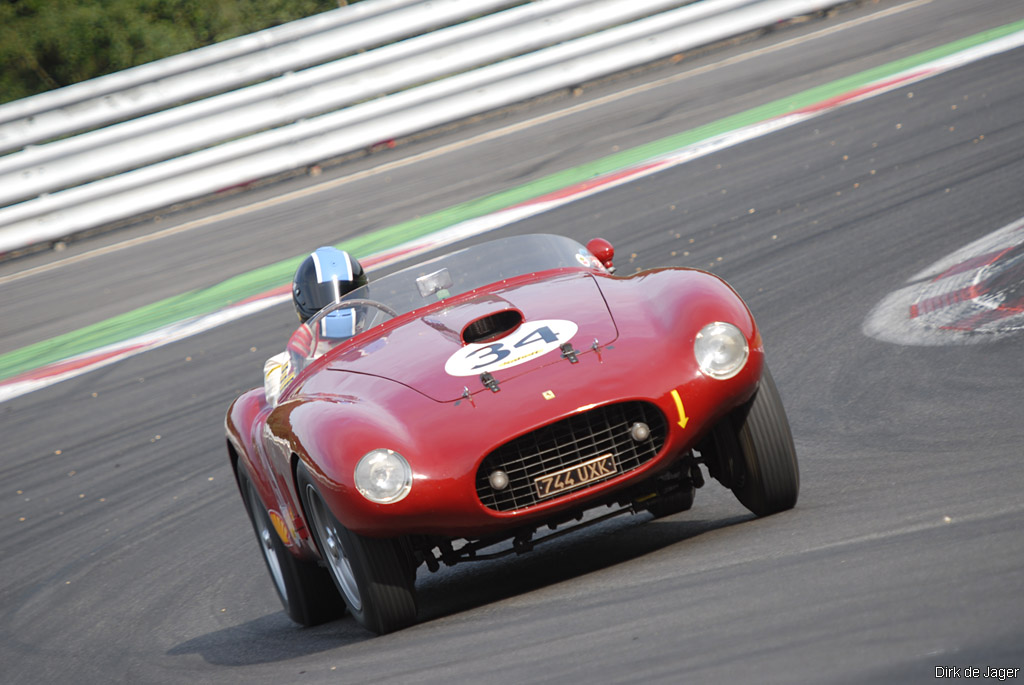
(432, 281)
(471, 268)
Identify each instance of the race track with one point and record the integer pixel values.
(125, 554)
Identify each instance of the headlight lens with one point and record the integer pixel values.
(721, 350)
(383, 476)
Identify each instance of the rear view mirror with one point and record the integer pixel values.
(603, 250)
(438, 282)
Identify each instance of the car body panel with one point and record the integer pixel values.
(388, 388)
(415, 353)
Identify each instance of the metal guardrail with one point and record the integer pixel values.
(459, 58)
(216, 68)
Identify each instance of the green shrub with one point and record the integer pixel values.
(47, 44)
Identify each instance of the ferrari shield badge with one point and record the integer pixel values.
(530, 341)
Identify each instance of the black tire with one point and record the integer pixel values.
(376, 577)
(757, 459)
(305, 589)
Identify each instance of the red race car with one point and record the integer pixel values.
(449, 411)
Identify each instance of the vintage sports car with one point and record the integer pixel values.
(451, 411)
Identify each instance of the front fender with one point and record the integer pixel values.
(330, 433)
(676, 302)
(663, 310)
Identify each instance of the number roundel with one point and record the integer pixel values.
(531, 340)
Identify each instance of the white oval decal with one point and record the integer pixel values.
(531, 340)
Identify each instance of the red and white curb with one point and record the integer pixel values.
(83, 363)
(104, 356)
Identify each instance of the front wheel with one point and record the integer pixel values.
(375, 576)
(305, 590)
(755, 453)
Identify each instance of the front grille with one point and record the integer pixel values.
(566, 443)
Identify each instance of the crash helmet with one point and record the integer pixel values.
(324, 277)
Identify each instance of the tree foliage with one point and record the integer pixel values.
(47, 44)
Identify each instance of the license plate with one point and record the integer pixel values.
(595, 469)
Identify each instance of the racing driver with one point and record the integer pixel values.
(323, 277)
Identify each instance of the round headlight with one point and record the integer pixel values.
(721, 350)
(383, 476)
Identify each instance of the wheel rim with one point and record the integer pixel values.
(266, 536)
(329, 535)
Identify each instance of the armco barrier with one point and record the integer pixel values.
(445, 74)
(313, 91)
(217, 68)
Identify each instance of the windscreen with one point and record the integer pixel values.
(432, 281)
(471, 268)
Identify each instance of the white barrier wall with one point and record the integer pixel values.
(459, 58)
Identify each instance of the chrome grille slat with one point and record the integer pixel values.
(566, 443)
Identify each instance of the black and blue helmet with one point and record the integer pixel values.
(324, 277)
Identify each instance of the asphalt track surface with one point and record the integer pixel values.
(125, 555)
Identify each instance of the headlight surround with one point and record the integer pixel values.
(383, 476)
(721, 350)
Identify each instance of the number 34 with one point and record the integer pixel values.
(528, 342)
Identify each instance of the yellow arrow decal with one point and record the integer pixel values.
(683, 420)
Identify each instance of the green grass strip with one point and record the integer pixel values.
(207, 300)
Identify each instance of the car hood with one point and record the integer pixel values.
(429, 352)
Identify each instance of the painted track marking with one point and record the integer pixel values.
(462, 144)
(701, 143)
